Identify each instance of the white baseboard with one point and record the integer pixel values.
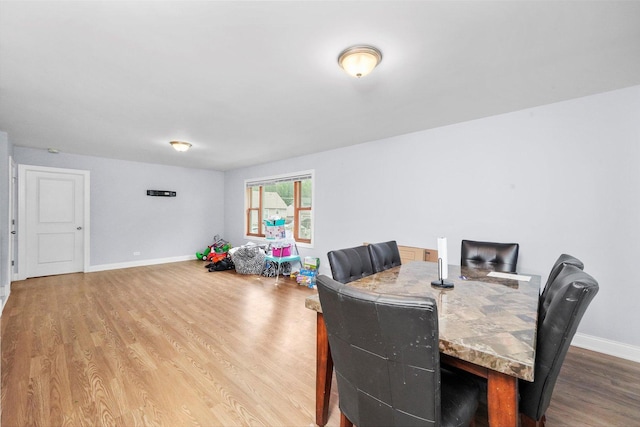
(612, 348)
(5, 298)
(3, 303)
(141, 263)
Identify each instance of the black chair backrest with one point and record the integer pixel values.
(559, 315)
(384, 255)
(385, 354)
(350, 264)
(489, 255)
(562, 260)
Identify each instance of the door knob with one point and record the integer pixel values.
(79, 228)
(13, 232)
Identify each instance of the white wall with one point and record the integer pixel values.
(125, 220)
(558, 178)
(561, 178)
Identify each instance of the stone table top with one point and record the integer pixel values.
(484, 320)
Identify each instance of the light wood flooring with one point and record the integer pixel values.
(175, 345)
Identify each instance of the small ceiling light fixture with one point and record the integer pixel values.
(180, 145)
(359, 61)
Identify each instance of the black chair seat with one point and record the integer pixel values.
(455, 394)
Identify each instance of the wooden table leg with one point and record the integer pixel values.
(502, 399)
(324, 372)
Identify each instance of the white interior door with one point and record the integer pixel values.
(54, 220)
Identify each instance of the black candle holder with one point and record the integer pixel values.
(441, 282)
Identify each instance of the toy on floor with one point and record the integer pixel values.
(221, 265)
(212, 253)
(203, 255)
(309, 272)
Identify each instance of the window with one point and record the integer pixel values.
(286, 196)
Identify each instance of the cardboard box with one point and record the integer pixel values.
(311, 263)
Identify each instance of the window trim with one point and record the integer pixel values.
(248, 202)
(294, 177)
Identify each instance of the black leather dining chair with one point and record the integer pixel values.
(384, 255)
(489, 255)
(564, 259)
(387, 362)
(559, 315)
(350, 264)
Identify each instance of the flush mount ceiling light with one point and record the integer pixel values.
(180, 145)
(359, 61)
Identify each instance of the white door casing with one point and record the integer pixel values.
(13, 186)
(53, 227)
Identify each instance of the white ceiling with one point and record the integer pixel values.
(250, 82)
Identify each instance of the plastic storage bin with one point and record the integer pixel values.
(282, 251)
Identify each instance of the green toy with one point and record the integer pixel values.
(202, 256)
(219, 246)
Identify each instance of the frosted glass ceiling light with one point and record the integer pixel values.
(180, 145)
(359, 61)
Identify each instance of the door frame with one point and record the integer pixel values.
(22, 214)
(13, 221)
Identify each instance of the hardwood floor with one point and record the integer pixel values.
(174, 345)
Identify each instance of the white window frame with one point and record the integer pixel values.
(287, 177)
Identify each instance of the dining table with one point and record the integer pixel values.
(487, 326)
